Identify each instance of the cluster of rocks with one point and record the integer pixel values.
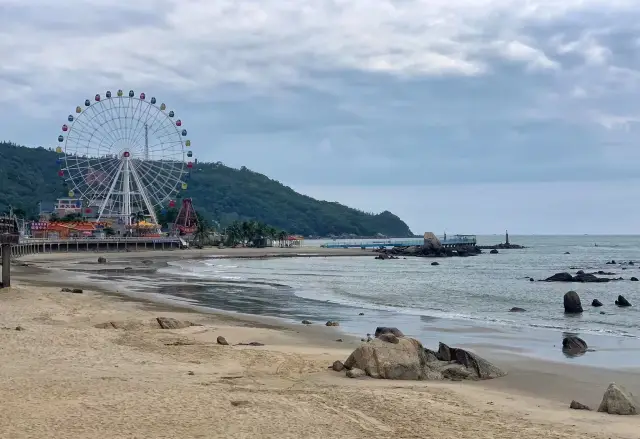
(158, 322)
(616, 401)
(579, 277)
(391, 355)
(429, 250)
(573, 304)
(72, 290)
(502, 246)
(583, 277)
(329, 323)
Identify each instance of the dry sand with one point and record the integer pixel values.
(61, 377)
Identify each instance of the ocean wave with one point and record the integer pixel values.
(452, 315)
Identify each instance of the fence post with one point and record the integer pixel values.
(6, 265)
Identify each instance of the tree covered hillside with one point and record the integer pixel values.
(221, 193)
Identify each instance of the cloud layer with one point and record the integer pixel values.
(358, 92)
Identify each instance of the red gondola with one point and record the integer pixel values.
(97, 98)
(61, 173)
(190, 165)
(178, 122)
(142, 96)
(65, 127)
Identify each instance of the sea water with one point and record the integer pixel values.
(461, 301)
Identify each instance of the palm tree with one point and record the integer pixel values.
(233, 234)
(202, 230)
(282, 237)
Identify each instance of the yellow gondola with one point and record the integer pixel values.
(78, 109)
(184, 186)
(188, 143)
(58, 150)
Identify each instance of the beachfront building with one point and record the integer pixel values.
(292, 241)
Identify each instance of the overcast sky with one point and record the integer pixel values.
(469, 116)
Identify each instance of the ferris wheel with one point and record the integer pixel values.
(124, 156)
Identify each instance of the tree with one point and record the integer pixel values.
(202, 231)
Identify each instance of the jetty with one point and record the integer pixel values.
(452, 241)
(506, 245)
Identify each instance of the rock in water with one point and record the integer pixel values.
(435, 263)
(405, 360)
(622, 301)
(388, 330)
(572, 303)
(596, 303)
(560, 277)
(578, 406)
(332, 323)
(574, 346)
(634, 279)
(494, 252)
(619, 401)
(516, 309)
(102, 260)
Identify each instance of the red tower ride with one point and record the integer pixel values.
(186, 222)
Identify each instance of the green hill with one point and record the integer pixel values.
(29, 175)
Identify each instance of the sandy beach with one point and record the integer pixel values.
(63, 377)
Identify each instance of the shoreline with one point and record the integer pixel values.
(538, 343)
(543, 389)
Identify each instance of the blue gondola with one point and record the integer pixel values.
(131, 93)
(87, 102)
(70, 118)
(184, 132)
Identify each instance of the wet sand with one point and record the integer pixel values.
(62, 377)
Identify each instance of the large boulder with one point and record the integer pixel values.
(478, 367)
(574, 346)
(405, 360)
(619, 401)
(572, 304)
(596, 303)
(409, 360)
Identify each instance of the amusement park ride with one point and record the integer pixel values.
(122, 157)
